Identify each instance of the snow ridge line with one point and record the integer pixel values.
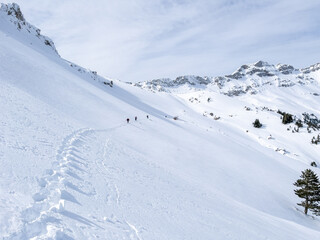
(43, 218)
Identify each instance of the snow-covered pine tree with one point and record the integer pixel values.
(309, 190)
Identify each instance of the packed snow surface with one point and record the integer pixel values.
(71, 167)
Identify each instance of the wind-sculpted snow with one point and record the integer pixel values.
(248, 79)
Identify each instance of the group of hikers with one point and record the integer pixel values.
(135, 118)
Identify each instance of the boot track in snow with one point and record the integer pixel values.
(81, 157)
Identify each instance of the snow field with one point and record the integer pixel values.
(72, 168)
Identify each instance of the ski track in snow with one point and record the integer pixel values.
(67, 178)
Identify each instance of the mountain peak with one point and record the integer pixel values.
(262, 64)
(13, 9)
(13, 23)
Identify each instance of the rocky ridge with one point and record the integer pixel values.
(11, 13)
(248, 79)
(14, 23)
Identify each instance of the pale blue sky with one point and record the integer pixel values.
(137, 40)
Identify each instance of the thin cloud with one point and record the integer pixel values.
(141, 39)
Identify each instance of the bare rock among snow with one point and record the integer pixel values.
(12, 14)
(13, 9)
(248, 79)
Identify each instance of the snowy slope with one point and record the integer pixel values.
(72, 168)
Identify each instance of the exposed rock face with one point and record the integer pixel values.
(285, 69)
(312, 68)
(249, 78)
(11, 13)
(13, 9)
(164, 84)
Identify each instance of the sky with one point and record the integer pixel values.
(139, 40)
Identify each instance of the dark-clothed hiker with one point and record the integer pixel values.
(128, 120)
(135, 118)
(148, 116)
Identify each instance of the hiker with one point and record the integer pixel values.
(128, 120)
(147, 116)
(136, 118)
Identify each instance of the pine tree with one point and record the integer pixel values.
(287, 118)
(309, 190)
(257, 124)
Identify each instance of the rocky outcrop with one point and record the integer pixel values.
(312, 68)
(13, 9)
(12, 14)
(162, 85)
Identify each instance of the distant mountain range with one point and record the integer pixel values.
(250, 78)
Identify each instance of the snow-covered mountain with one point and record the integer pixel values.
(13, 22)
(251, 79)
(71, 167)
